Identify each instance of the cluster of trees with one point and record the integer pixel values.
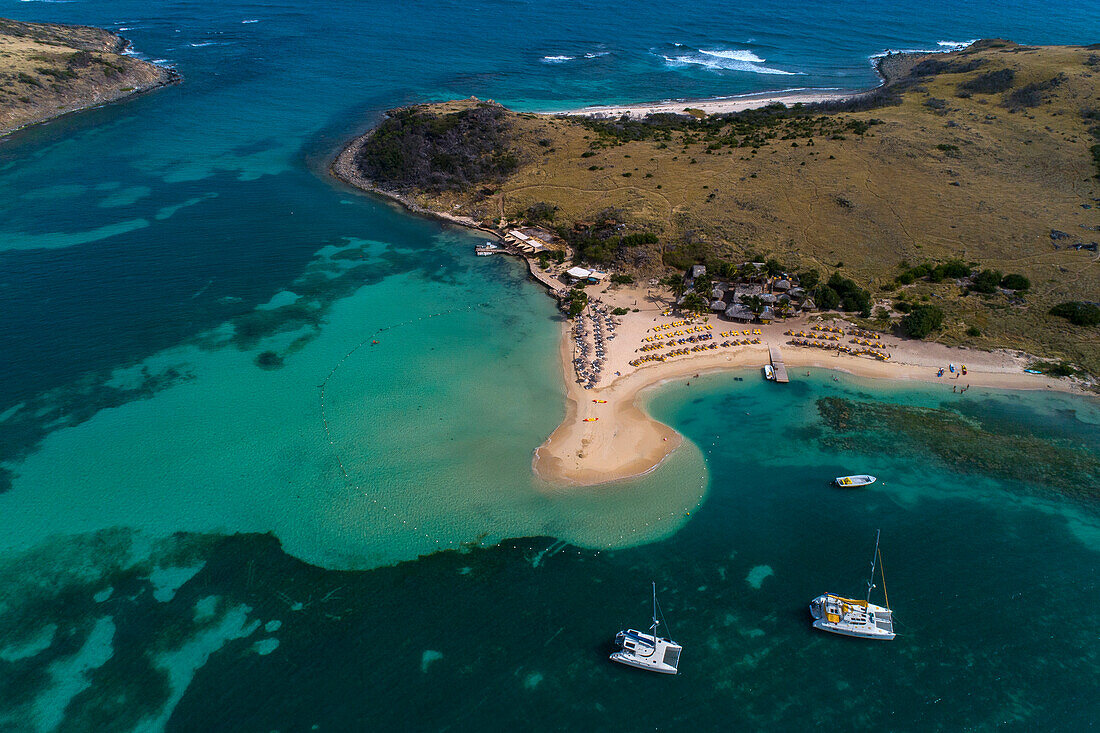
(578, 301)
(934, 273)
(439, 152)
(544, 257)
(1032, 95)
(921, 320)
(985, 281)
(991, 82)
(748, 128)
(1078, 313)
(541, 211)
(843, 293)
(602, 242)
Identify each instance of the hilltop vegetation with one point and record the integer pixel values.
(47, 69)
(969, 183)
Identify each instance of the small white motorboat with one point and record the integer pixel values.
(647, 651)
(769, 372)
(854, 482)
(849, 617)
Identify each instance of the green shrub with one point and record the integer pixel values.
(1078, 313)
(991, 82)
(1055, 368)
(622, 279)
(974, 331)
(852, 297)
(826, 298)
(921, 321)
(541, 211)
(808, 279)
(620, 312)
(1015, 282)
(986, 281)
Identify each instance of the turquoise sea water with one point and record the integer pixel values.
(214, 487)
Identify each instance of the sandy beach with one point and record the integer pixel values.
(624, 441)
(718, 105)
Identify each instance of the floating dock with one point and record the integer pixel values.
(777, 365)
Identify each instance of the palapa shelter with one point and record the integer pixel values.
(578, 273)
(738, 312)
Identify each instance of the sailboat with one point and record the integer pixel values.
(866, 620)
(647, 651)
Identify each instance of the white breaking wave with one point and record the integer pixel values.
(200, 45)
(944, 47)
(725, 60)
(250, 20)
(954, 45)
(596, 54)
(735, 55)
(557, 59)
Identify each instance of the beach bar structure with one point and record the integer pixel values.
(579, 273)
(527, 243)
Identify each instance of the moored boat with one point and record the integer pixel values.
(854, 482)
(850, 617)
(647, 651)
(769, 372)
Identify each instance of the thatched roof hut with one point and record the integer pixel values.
(738, 312)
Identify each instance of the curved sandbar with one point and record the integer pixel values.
(626, 441)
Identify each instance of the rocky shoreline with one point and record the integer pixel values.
(52, 70)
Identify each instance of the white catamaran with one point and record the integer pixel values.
(648, 651)
(850, 617)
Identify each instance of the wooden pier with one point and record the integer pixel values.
(778, 366)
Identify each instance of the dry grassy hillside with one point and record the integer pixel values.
(985, 155)
(48, 69)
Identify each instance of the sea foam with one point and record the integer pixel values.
(721, 59)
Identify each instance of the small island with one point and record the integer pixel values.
(942, 226)
(48, 70)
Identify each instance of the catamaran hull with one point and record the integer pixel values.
(825, 626)
(632, 661)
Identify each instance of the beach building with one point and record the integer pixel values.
(767, 315)
(527, 243)
(579, 274)
(738, 312)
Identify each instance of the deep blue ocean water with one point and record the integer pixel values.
(149, 251)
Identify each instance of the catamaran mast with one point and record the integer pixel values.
(871, 580)
(654, 627)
